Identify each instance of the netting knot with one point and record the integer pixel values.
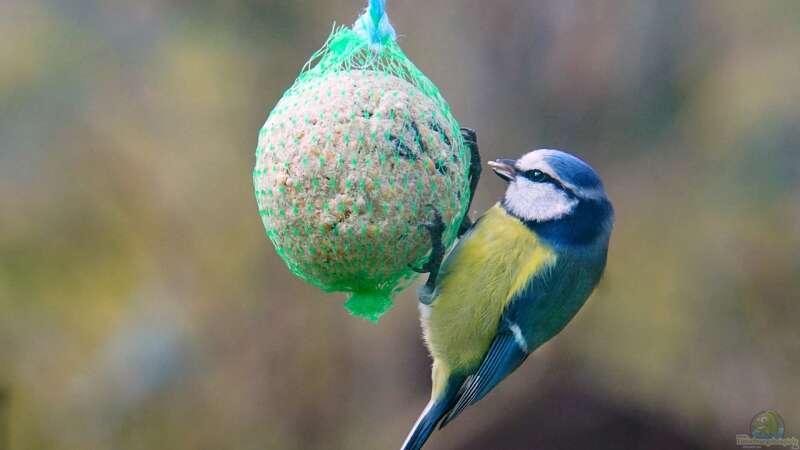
(374, 25)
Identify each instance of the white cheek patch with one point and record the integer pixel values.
(537, 201)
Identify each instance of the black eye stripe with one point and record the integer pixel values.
(537, 176)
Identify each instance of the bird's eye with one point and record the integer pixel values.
(537, 176)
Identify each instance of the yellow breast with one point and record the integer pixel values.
(495, 261)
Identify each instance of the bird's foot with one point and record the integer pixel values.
(436, 231)
(466, 224)
(471, 141)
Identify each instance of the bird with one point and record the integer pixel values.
(512, 281)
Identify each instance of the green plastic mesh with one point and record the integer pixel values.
(351, 163)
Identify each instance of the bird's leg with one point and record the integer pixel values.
(437, 228)
(471, 140)
(436, 231)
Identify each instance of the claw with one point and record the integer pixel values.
(435, 230)
(418, 269)
(428, 267)
(469, 135)
(471, 140)
(438, 224)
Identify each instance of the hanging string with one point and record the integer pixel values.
(374, 25)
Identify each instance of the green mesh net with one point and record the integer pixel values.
(352, 162)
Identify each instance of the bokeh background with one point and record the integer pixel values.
(142, 306)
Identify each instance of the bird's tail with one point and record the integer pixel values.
(430, 417)
(443, 398)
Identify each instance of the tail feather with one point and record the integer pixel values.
(430, 417)
(442, 400)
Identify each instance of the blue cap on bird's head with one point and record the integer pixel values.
(550, 185)
(537, 165)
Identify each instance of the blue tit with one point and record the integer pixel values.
(513, 280)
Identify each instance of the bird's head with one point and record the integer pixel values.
(553, 187)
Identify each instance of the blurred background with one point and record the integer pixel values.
(142, 306)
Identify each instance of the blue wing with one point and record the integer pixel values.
(503, 357)
(535, 314)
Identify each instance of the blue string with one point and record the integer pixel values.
(377, 9)
(374, 25)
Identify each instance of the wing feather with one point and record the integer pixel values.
(503, 357)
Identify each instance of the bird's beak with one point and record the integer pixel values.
(504, 168)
